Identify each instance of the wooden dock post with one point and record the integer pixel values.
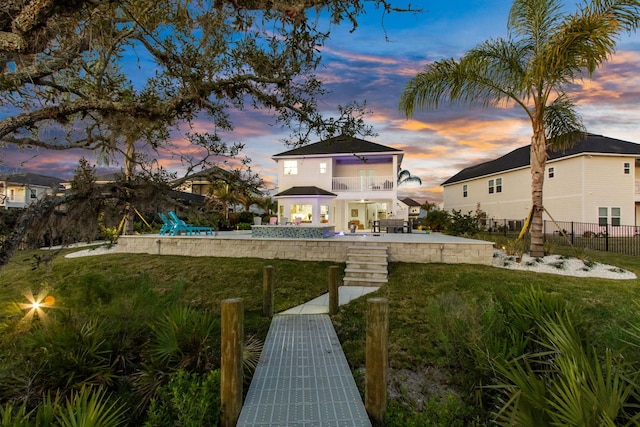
(267, 291)
(232, 335)
(377, 359)
(334, 300)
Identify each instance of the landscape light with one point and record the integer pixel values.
(34, 308)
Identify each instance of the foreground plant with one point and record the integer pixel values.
(561, 379)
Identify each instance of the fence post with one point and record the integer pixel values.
(606, 238)
(572, 233)
(333, 290)
(267, 291)
(377, 359)
(232, 331)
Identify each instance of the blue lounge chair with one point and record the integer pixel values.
(167, 224)
(180, 226)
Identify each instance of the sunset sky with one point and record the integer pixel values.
(367, 66)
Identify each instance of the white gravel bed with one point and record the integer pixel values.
(556, 264)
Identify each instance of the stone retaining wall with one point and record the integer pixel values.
(334, 250)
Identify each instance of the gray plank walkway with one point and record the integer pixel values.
(303, 378)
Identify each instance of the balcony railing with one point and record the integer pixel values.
(363, 183)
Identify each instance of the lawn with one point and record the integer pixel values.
(436, 311)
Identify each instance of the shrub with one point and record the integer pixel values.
(555, 377)
(446, 411)
(187, 400)
(463, 224)
(437, 220)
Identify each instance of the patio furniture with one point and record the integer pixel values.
(167, 224)
(180, 226)
(390, 226)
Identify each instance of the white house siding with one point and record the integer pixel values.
(606, 185)
(580, 185)
(308, 173)
(512, 203)
(563, 193)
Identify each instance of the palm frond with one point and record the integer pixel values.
(563, 124)
(90, 407)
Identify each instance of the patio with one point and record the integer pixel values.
(414, 247)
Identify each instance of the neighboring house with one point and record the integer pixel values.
(22, 189)
(413, 207)
(338, 181)
(204, 182)
(596, 181)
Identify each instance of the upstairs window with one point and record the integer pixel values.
(491, 186)
(552, 172)
(323, 168)
(33, 193)
(291, 167)
(627, 168)
(464, 190)
(498, 185)
(615, 217)
(603, 214)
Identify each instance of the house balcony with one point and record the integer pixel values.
(362, 184)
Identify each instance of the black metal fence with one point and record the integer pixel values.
(623, 239)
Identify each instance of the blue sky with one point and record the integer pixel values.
(374, 63)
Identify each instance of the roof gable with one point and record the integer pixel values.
(339, 145)
(520, 157)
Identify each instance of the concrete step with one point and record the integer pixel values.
(366, 274)
(366, 259)
(366, 249)
(366, 264)
(355, 281)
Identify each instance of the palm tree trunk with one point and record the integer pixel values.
(538, 161)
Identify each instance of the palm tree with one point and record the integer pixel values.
(404, 177)
(546, 50)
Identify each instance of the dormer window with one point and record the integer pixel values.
(291, 167)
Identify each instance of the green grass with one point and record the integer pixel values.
(431, 305)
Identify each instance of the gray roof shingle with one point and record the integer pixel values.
(339, 145)
(32, 179)
(305, 191)
(518, 158)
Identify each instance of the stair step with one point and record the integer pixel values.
(367, 265)
(356, 281)
(367, 248)
(366, 273)
(367, 257)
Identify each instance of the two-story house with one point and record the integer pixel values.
(339, 181)
(595, 181)
(21, 189)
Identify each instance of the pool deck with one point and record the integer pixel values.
(408, 247)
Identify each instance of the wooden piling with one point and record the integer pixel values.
(232, 331)
(377, 359)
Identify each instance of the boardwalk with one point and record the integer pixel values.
(303, 378)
